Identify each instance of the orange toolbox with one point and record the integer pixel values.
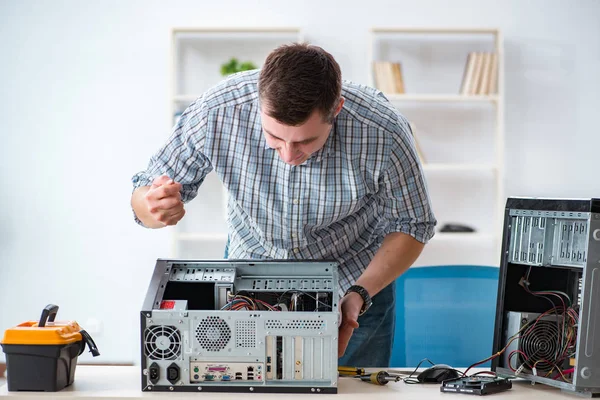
(42, 355)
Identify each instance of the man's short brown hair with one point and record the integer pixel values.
(297, 79)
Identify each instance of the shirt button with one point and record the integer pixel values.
(294, 235)
(296, 250)
(295, 201)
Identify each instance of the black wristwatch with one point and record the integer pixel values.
(367, 302)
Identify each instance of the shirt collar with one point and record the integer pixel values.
(328, 147)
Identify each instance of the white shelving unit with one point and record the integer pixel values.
(461, 137)
(197, 56)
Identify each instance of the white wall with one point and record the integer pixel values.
(83, 103)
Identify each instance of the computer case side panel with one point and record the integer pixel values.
(159, 276)
(499, 323)
(588, 343)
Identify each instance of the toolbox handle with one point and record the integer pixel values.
(87, 339)
(48, 314)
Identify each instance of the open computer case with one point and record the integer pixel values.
(240, 326)
(547, 325)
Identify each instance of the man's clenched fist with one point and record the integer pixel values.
(163, 200)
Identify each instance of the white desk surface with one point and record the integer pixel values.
(118, 382)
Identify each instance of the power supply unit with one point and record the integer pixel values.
(241, 326)
(546, 328)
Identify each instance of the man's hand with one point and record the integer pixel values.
(350, 307)
(163, 201)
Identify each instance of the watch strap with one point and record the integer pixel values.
(365, 296)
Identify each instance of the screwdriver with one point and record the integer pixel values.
(351, 371)
(379, 378)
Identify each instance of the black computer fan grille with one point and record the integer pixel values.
(540, 345)
(213, 333)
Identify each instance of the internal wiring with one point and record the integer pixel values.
(279, 300)
(243, 302)
(567, 318)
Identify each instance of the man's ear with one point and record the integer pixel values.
(339, 107)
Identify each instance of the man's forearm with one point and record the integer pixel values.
(397, 253)
(140, 209)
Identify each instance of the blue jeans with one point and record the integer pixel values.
(370, 344)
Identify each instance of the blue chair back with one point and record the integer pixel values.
(445, 314)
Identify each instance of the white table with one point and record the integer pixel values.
(101, 382)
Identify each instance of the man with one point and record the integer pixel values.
(316, 168)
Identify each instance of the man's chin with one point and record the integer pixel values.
(298, 161)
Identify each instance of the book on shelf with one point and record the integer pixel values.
(388, 77)
(480, 76)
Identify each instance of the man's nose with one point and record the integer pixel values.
(288, 152)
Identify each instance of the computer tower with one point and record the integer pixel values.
(241, 326)
(547, 327)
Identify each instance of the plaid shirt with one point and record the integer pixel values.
(365, 182)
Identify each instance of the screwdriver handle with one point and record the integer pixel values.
(352, 371)
(378, 378)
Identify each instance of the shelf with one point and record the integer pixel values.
(463, 236)
(187, 98)
(460, 249)
(199, 54)
(439, 236)
(459, 167)
(237, 30)
(443, 98)
(238, 34)
(470, 31)
(201, 237)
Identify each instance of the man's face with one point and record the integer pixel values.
(295, 144)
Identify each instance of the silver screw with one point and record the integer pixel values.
(148, 315)
(312, 390)
(180, 321)
(145, 372)
(252, 389)
(149, 387)
(318, 390)
(171, 388)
